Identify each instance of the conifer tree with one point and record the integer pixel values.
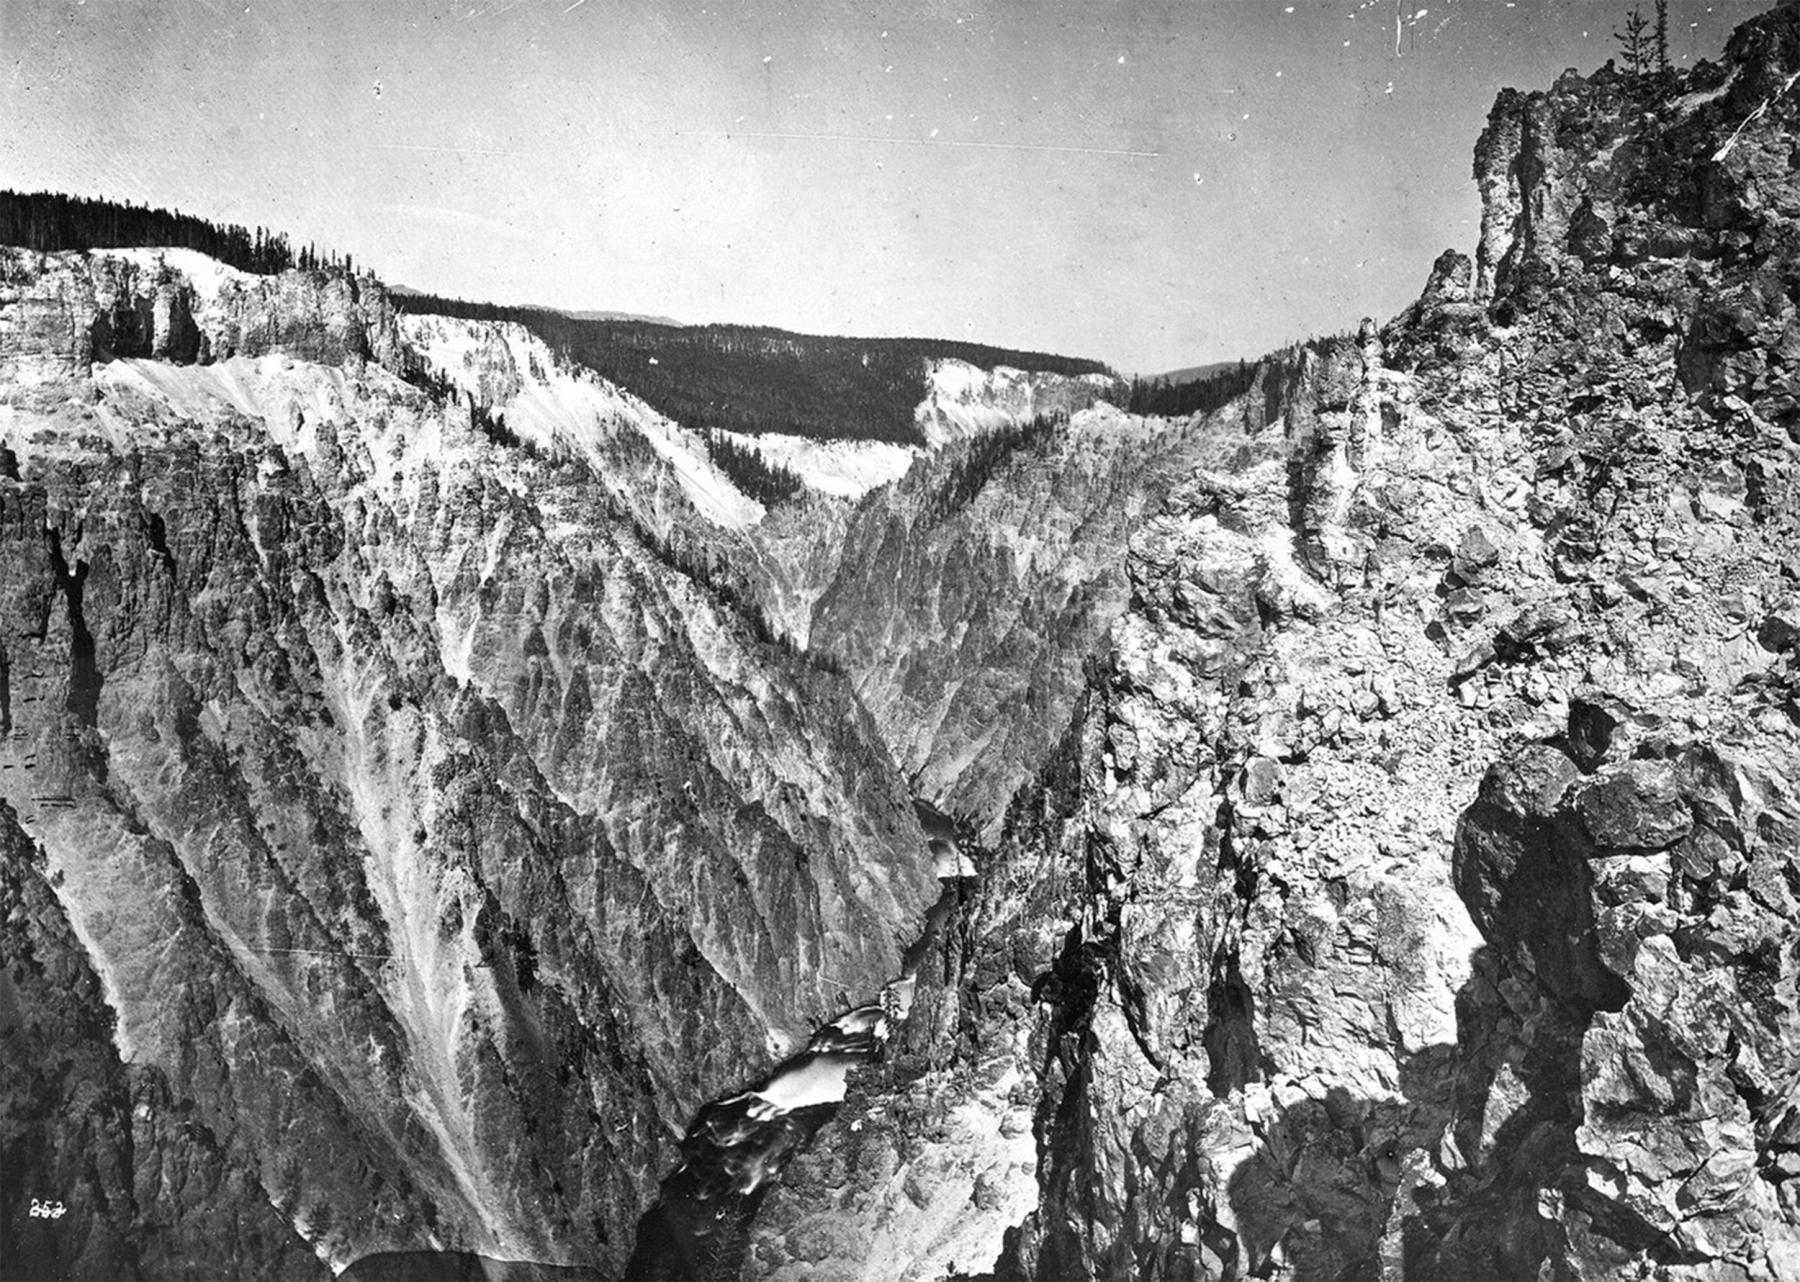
(1634, 41)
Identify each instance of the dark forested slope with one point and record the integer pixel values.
(754, 379)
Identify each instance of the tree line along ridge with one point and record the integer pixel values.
(745, 379)
(50, 222)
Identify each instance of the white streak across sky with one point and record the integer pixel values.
(938, 142)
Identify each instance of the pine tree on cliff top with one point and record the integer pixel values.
(1634, 41)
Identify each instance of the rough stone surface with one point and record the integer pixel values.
(59, 313)
(1415, 901)
(1390, 827)
(434, 828)
(143, 1188)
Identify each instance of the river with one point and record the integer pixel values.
(699, 1228)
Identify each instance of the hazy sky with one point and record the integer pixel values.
(1154, 184)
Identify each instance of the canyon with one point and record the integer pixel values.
(1350, 833)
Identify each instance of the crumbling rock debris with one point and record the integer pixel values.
(1417, 902)
(1634, 806)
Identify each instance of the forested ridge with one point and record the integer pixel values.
(755, 379)
(1274, 375)
(741, 378)
(973, 463)
(50, 222)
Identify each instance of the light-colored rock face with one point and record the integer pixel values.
(1391, 830)
(655, 468)
(64, 311)
(431, 829)
(841, 469)
(963, 401)
(1412, 895)
(46, 319)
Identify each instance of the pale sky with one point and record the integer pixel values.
(1154, 184)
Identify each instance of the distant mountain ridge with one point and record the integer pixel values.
(620, 316)
(1192, 373)
(407, 291)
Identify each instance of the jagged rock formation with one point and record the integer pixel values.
(965, 626)
(131, 1182)
(434, 781)
(1413, 893)
(63, 312)
(1629, 1078)
(433, 830)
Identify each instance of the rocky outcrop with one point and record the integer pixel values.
(333, 318)
(47, 319)
(1411, 896)
(63, 312)
(1630, 1078)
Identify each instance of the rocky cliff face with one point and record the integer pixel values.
(1391, 834)
(964, 401)
(437, 838)
(964, 600)
(965, 628)
(127, 1180)
(1412, 893)
(63, 312)
(433, 721)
